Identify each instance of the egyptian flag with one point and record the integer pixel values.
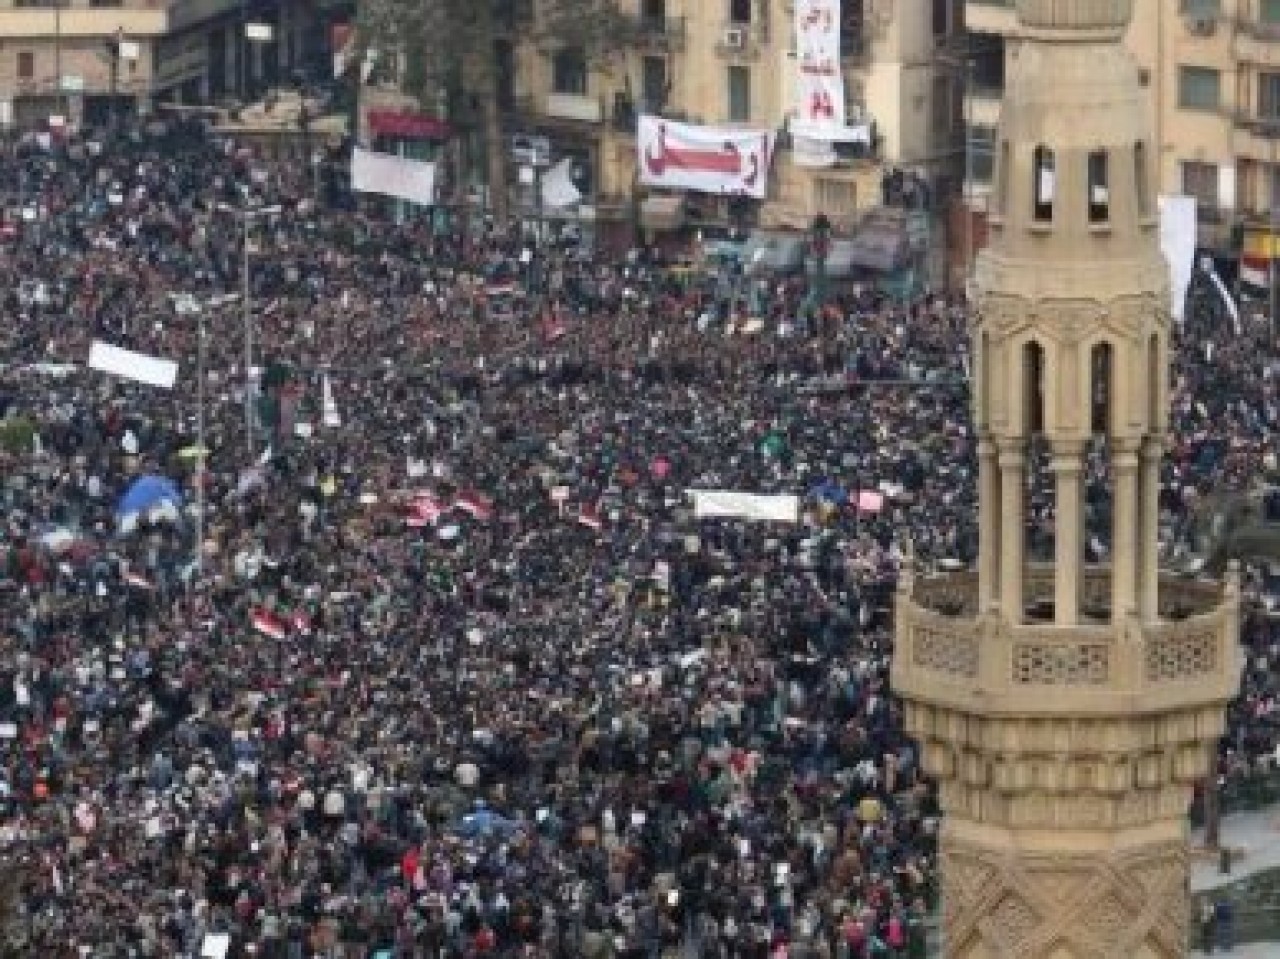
(282, 393)
(589, 516)
(425, 510)
(269, 624)
(476, 505)
(552, 326)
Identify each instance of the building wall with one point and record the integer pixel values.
(172, 43)
(893, 80)
(1226, 151)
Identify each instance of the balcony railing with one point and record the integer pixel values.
(950, 654)
(1258, 29)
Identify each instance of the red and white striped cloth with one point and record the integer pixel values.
(476, 505)
(424, 510)
(269, 624)
(589, 516)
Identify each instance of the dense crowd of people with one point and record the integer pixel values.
(450, 668)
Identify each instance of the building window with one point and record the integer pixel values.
(739, 84)
(853, 30)
(941, 17)
(1269, 96)
(654, 11)
(1200, 9)
(653, 84)
(1044, 169)
(1200, 180)
(569, 73)
(1199, 88)
(1141, 183)
(982, 153)
(836, 197)
(1269, 12)
(1099, 189)
(26, 65)
(740, 11)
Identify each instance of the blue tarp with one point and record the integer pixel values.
(147, 492)
(148, 496)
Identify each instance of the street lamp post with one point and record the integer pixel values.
(57, 58)
(247, 214)
(185, 303)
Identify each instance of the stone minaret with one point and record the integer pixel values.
(1066, 709)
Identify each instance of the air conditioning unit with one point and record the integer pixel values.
(1201, 26)
(735, 38)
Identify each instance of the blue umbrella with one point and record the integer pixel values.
(830, 491)
(485, 822)
(148, 495)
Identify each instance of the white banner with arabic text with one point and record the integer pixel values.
(704, 159)
(819, 82)
(730, 504)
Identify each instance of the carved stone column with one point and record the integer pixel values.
(988, 524)
(1068, 531)
(1013, 496)
(1124, 525)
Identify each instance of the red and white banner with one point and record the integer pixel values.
(1255, 271)
(819, 82)
(704, 159)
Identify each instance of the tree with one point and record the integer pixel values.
(452, 48)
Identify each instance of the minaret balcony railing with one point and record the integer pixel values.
(953, 656)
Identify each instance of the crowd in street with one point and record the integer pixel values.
(450, 668)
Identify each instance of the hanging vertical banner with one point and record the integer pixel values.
(819, 81)
(1178, 227)
(721, 160)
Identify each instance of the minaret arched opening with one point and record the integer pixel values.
(1101, 393)
(1141, 181)
(1099, 188)
(1033, 379)
(1044, 185)
(1099, 475)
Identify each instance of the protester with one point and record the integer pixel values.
(456, 671)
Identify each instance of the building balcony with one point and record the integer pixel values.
(146, 19)
(952, 658)
(1256, 137)
(187, 13)
(659, 34)
(991, 16)
(1256, 42)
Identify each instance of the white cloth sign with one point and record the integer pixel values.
(397, 177)
(819, 82)
(780, 508)
(216, 945)
(704, 159)
(1178, 244)
(152, 370)
(558, 189)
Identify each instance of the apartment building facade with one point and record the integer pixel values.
(1213, 69)
(732, 63)
(86, 60)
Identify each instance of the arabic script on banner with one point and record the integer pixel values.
(819, 83)
(717, 160)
